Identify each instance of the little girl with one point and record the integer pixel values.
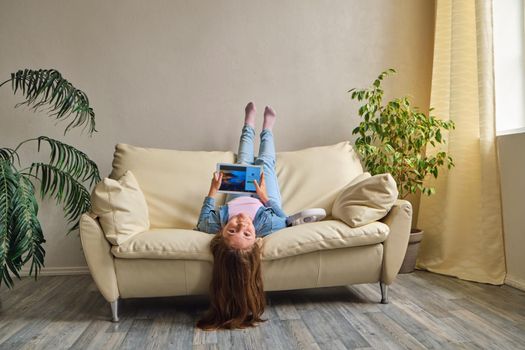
(237, 297)
(244, 217)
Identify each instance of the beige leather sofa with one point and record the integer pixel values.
(172, 259)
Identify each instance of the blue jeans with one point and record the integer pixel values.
(266, 159)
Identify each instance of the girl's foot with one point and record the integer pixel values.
(249, 118)
(269, 118)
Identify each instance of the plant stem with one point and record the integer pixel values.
(20, 171)
(8, 80)
(29, 174)
(20, 144)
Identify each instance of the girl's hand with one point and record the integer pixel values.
(261, 189)
(215, 184)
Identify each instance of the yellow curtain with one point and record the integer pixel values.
(462, 221)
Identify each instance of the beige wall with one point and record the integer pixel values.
(512, 173)
(177, 74)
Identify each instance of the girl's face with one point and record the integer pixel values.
(239, 232)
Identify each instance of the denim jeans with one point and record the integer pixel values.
(266, 159)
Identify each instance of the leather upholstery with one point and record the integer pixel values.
(335, 267)
(195, 245)
(313, 177)
(166, 243)
(323, 235)
(399, 219)
(173, 182)
(98, 256)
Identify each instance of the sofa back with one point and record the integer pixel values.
(313, 177)
(176, 182)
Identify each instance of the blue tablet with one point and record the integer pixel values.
(238, 178)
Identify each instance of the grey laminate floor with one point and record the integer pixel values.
(425, 311)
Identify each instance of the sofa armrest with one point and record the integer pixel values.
(97, 251)
(399, 219)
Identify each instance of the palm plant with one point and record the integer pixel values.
(62, 178)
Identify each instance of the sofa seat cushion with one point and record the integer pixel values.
(166, 243)
(328, 234)
(195, 245)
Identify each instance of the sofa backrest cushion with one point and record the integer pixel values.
(366, 199)
(121, 208)
(173, 182)
(313, 177)
(176, 182)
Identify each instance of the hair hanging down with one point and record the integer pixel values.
(237, 297)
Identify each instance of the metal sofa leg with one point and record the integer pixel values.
(384, 292)
(114, 311)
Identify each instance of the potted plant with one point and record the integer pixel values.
(392, 138)
(62, 178)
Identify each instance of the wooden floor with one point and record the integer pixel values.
(425, 311)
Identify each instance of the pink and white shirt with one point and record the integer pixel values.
(244, 204)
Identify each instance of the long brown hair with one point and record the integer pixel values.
(237, 297)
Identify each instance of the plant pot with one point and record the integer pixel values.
(409, 263)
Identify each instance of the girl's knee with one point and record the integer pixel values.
(267, 161)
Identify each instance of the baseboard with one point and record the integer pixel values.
(515, 282)
(58, 271)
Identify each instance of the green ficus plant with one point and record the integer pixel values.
(62, 178)
(393, 135)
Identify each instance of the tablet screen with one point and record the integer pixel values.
(239, 178)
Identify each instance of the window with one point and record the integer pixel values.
(509, 66)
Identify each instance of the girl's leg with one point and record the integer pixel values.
(245, 153)
(266, 156)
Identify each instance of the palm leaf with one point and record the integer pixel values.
(71, 160)
(8, 186)
(9, 154)
(26, 232)
(66, 190)
(47, 87)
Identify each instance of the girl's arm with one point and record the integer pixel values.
(260, 188)
(208, 217)
(276, 208)
(208, 206)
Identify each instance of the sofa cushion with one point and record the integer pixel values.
(174, 182)
(367, 200)
(195, 245)
(121, 207)
(313, 177)
(166, 243)
(322, 235)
